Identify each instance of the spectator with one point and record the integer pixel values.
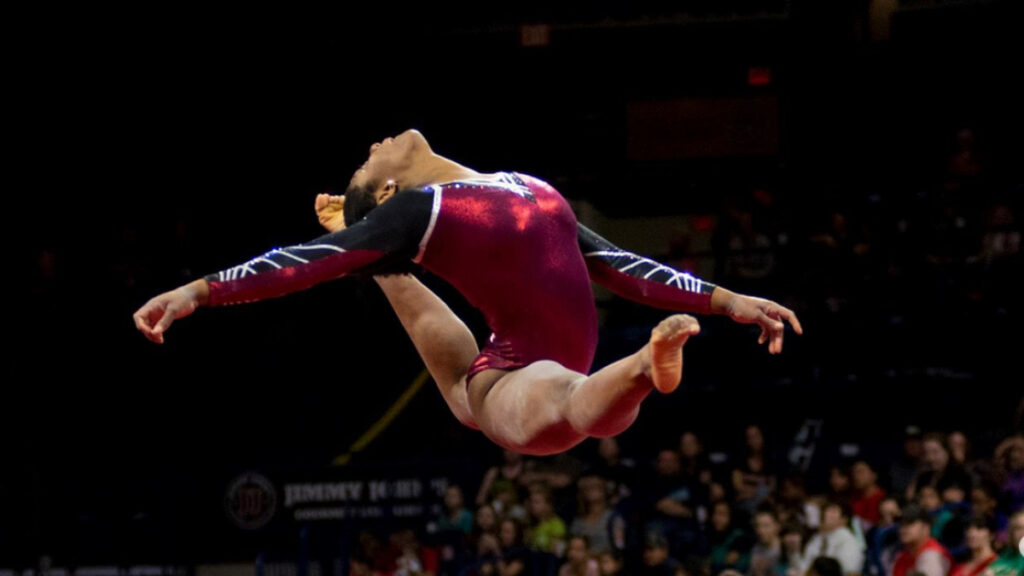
(548, 532)
(766, 555)
(752, 480)
(657, 561)
(1011, 561)
(984, 502)
(619, 472)
(883, 539)
(670, 509)
(866, 493)
(506, 503)
(578, 561)
(1010, 462)
(904, 470)
(485, 534)
(410, 558)
(792, 560)
(839, 484)
(486, 520)
(835, 539)
(921, 553)
(514, 555)
(940, 471)
(729, 545)
(456, 517)
(610, 563)
(501, 478)
(948, 518)
(795, 505)
(594, 517)
(980, 535)
(694, 463)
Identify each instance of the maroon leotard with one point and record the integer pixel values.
(511, 246)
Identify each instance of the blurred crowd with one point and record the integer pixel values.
(935, 511)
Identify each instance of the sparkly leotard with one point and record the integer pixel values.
(511, 245)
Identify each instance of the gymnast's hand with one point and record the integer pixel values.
(155, 316)
(753, 310)
(330, 210)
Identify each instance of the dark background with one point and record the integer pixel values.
(156, 146)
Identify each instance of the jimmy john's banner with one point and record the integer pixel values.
(400, 497)
(254, 499)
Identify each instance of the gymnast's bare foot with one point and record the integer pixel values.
(330, 210)
(666, 348)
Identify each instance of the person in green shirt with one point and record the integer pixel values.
(1011, 561)
(549, 531)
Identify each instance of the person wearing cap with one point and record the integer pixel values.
(980, 532)
(904, 469)
(921, 553)
(1011, 561)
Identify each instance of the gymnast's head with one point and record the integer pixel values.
(393, 164)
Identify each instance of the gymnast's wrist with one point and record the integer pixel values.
(722, 301)
(198, 291)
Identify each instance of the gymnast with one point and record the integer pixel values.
(509, 243)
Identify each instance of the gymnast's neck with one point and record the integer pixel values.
(436, 169)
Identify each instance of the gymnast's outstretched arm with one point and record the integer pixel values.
(390, 233)
(648, 282)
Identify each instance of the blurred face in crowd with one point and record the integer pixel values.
(453, 498)
(766, 527)
(978, 538)
(935, 455)
(913, 534)
(592, 489)
(507, 533)
(755, 439)
(577, 552)
(486, 519)
(793, 542)
(792, 490)
(839, 480)
(655, 555)
(954, 495)
(1016, 528)
(864, 478)
(667, 463)
(981, 502)
(889, 511)
(716, 492)
(608, 449)
(689, 445)
(608, 565)
(913, 447)
(958, 446)
(540, 508)
(928, 498)
(832, 518)
(721, 517)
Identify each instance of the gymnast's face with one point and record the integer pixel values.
(390, 162)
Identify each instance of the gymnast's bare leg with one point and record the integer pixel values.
(543, 408)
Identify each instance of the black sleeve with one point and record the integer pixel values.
(641, 279)
(390, 233)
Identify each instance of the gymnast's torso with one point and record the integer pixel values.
(508, 243)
